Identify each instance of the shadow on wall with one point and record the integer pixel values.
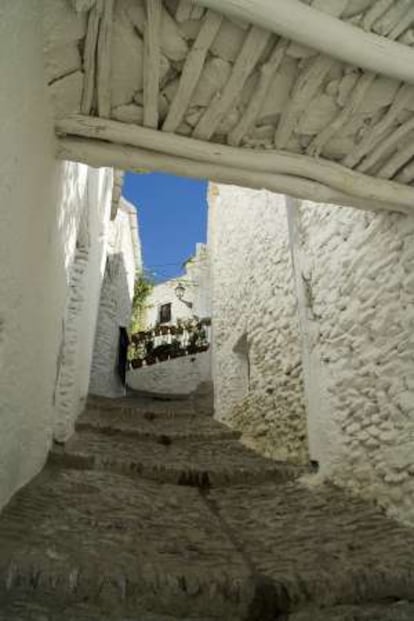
(114, 312)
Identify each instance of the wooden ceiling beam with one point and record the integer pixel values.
(332, 36)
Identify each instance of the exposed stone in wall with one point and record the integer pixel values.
(257, 367)
(359, 271)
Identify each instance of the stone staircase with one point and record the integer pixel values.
(154, 513)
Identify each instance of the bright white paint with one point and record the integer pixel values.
(123, 262)
(196, 280)
(255, 327)
(180, 376)
(257, 167)
(307, 25)
(41, 206)
(92, 203)
(359, 326)
(164, 293)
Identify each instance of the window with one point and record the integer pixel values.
(165, 313)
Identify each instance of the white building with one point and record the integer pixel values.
(182, 298)
(313, 323)
(164, 306)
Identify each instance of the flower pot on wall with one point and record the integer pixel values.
(150, 360)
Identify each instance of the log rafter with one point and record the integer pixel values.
(335, 176)
(230, 79)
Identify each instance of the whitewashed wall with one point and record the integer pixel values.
(164, 293)
(91, 201)
(196, 281)
(41, 202)
(123, 261)
(359, 326)
(180, 376)
(254, 318)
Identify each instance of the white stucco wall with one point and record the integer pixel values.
(41, 202)
(91, 202)
(196, 281)
(255, 325)
(180, 376)
(123, 261)
(359, 331)
(164, 293)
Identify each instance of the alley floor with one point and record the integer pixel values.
(154, 513)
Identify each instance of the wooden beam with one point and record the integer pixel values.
(327, 173)
(304, 90)
(352, 105)
(89, 57)
(380, 130)
(253, 47)
(98, 153)
(152, 62)
(267, 73)
(398, 160)
(387, 145)
(191, 73)
(305, 24)
(103, 78)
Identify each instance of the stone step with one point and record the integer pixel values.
(398, 611)
(122, 545)
(154, 426)
(30, 609)
(168, 407)
(319, 544)
(201, 463)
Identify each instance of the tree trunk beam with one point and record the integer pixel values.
(97, 153)
(192, 70)
(336, 176)
(386, 146)
(399, 159)
(354, 101)
(379, 131)
(320, 31)
(103, 82)
(152, 60)
(267, 72)
(252, 49)
(305, 89)
(91, 42)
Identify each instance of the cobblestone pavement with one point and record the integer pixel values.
(238, 538)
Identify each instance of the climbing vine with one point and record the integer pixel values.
(142, 289)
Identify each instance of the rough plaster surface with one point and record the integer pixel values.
(358, 267)
(41, 205)
(180, 376)
(123, 260)
(92, 204)
(255, 326)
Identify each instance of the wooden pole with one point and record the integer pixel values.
(345, 181)
(295, 20)
(98, 153)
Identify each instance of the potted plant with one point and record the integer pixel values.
(162, 352)
(150, 359)
(136, 364)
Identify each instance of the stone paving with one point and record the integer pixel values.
(83, 541)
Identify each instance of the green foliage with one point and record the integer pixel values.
(142, 289)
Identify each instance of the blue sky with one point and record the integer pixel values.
(172, 218)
